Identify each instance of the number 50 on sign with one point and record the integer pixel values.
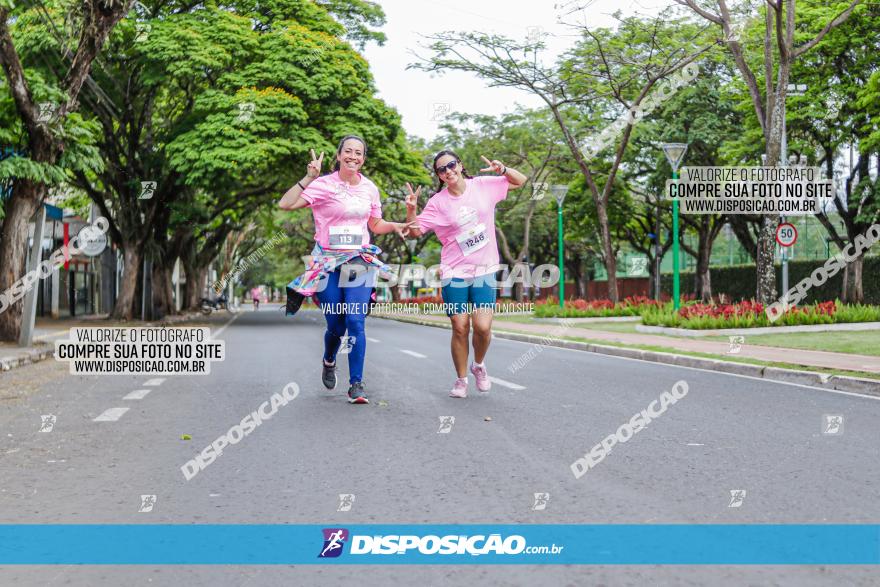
(786, 234)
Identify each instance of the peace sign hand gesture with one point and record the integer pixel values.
(314, 168)
(403, 228)
(494, 165)
(412, 198)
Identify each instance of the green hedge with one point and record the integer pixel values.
(738, 281)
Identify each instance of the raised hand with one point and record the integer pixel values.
(314, 168)
(412, 198)
(494, 165)
(403, 228)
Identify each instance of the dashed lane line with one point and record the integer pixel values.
(111, 415)
(504, 383)
(137, 394)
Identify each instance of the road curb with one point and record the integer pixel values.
(811, 378)
(757, 331)
(26, 358)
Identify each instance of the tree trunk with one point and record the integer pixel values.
(608, 252)
(582, 286)
(195, 285)
(766, 271)
(853, 292)
(13, 243)
(124, 309)
(163, 294)
(517, 293)
(743, 235)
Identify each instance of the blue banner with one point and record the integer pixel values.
(209, 544)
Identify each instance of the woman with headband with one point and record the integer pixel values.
(346, 208)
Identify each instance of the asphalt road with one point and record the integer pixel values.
(728, 433)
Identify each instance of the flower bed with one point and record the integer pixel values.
(750, 314)
(631, 306)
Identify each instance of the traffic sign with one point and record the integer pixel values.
(786, 234)
(92, 241)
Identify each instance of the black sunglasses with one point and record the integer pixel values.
(448, 167)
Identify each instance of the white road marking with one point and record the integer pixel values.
(154, 382)
(671, 366)
(373, 339)
(222, 328)
(111, 415)
(695, 444)
(414, 354)
(137, 394)
(504, 383)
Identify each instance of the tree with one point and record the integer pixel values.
(703, 115)
(220, 108)
(780, 52)
(833, 121)
(43, 164)
(609, 74)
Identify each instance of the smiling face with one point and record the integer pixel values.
(445, 174)
(351, 156)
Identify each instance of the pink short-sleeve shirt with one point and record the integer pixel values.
(465, 225)
(342, 211)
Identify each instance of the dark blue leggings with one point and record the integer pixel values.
(355, 299)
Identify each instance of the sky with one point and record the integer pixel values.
(424, 99)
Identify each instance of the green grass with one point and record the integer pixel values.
(660, 349)
(862, 342)
(520, 318)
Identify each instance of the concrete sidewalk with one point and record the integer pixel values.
(806, 358)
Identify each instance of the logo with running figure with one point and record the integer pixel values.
(334, 540)
(346, 344)
(737, 496)
(346, 500)
(832, 424)
(541, 500)
(47, 422)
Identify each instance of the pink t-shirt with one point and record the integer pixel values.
(342, 211)
(465, 225)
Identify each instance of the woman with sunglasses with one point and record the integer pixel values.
(346, 207)
(462, 215)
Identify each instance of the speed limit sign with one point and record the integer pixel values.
(786, 234)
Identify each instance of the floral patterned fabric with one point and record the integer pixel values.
(326, 261)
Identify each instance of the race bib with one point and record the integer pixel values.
(472, 239)
(345, 237)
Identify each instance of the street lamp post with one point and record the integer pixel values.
(411, 245)
(559, 191)
(675, 155)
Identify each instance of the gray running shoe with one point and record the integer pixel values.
(328, 375)
(356, 394)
